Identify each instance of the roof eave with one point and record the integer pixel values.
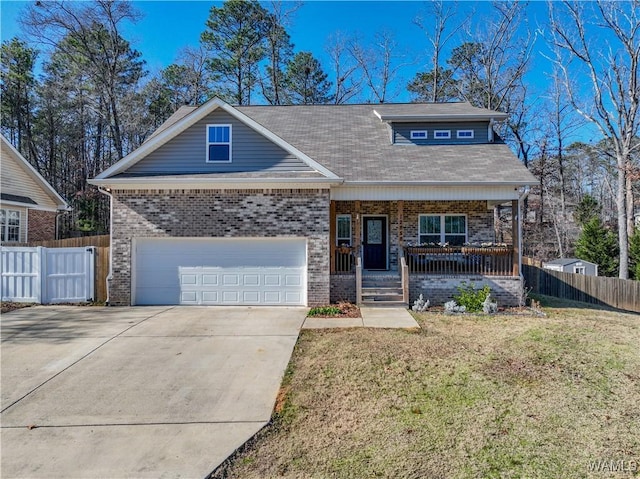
(438, 118)
(440, 183)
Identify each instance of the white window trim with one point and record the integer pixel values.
(208, 143)
(338, 239)
(470, 137)
(443, 234)
(5, 226)
(447, 134)
(414, 134)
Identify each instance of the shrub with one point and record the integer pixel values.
(325, 311)
(469, 297)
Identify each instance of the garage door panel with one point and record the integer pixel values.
(214, 271)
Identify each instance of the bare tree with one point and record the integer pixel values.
(380, 63)
(442, 14)
(612, 71)
(346, 70)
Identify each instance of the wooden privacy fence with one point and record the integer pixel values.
(101, 257)
(615, 292)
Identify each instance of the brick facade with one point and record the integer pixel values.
(41, 226)
(221, 213)
(343, 288)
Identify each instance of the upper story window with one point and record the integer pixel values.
(418, 134)
(9, 225)
(219, 143)
(343, 229)
(465, 134)
(579, 270)
(442, 229)
(442, 134)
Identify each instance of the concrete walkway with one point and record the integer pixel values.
(395, 318)
(147, 392)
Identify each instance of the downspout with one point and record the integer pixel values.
(490, 132)
(110, 275)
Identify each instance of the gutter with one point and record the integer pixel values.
(110, 275)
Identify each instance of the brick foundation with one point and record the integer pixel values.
(221, 213)
(343, 288)
(507, 291)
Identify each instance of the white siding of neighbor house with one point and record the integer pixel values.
(16, 181)
(187, 152)
(402, 133)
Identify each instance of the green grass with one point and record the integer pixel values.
(465, 397)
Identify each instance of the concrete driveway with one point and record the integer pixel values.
(137, 392)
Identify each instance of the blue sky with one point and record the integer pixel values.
(168, 26)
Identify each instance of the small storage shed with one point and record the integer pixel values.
(572, 265)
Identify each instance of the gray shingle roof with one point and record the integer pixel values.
(354, 143)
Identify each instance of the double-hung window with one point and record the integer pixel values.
(9, 225)
(451, 229)
(343, 229)
(219, 143)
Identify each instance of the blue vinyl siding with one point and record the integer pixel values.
(402, 133)
(187, 152)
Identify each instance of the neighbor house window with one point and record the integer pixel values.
(418, 134)
(579, 270)
(442, 229)
(219, 143)
(442, 134)
(343, 228)
(9, 225)
(465, 134)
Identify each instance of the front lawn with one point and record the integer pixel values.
(465, 397)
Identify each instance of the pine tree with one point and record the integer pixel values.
(598, 245)
(306, 83)
(634, 254)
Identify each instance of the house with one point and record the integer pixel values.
(29, 206)
(572, 265)
(303, 205)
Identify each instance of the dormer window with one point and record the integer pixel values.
(442, 134)
(218, 143)
(465, 134)
(418, 134)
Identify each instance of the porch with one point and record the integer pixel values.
(405, 248)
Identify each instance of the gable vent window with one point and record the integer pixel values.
(418, 134)
(219, 143)
(442, 134)
(465, 134)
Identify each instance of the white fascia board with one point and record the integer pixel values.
(31, 206)
(191, 119)
(439, 118)
(37, 177)
(212, 184)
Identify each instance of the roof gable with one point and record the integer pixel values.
(193, 118)
(22, 184)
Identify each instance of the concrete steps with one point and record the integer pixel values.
(382, 290)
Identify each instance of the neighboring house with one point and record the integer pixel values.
(303, 205)
(572, 265)
(29, 205)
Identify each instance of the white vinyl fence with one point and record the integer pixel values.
(48, 275)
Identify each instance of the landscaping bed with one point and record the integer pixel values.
(466, 396)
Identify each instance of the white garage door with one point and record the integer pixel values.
(212, 271)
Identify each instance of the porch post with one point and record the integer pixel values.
(357, 229)
(515, 235)
(400, 226)
(332, 236)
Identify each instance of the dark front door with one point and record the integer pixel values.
(374, 242)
